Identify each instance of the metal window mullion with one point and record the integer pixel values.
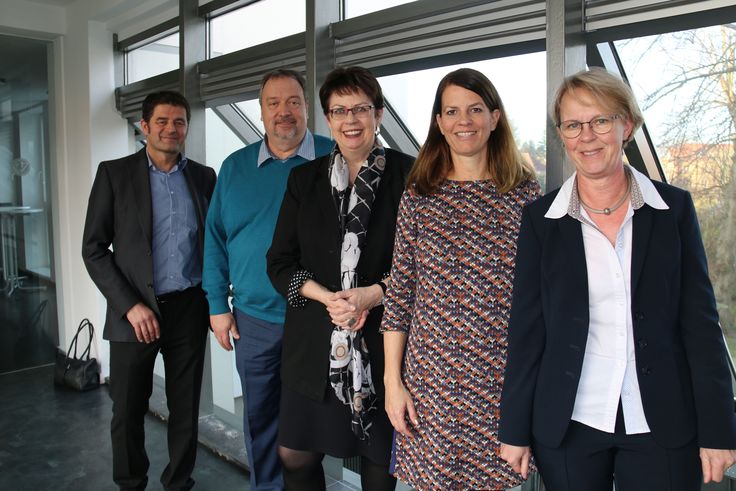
(396, 133)
(238, 123)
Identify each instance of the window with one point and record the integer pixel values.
(684, 82)
(252, 111)
(256, 24)
(520, 81)
(152, 59)
(221, 140)
(354, 8)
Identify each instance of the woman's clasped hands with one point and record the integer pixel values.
(349, 309)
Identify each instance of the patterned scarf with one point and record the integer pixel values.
(350, 369)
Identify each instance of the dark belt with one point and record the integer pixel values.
(171, 296)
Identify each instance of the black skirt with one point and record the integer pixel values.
(324, 427)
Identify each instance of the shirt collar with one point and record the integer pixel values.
(178, 166)
(642, 192)
(305, 150)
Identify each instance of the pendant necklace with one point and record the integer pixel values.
(614, 207)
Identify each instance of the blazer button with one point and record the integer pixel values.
(646, 370)
(149, 285)
(638, 316)
(642, 343)
(148, 253)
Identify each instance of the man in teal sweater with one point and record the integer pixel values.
(238, 232)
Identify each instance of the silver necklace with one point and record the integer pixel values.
(614, 207)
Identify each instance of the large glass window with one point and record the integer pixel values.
(686, 85)
(221, 140)
(28, 317)
(152, 59)
(520, 81)
(354, 8)
(252, 111)
(256, 24)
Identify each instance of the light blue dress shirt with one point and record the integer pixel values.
(176, 262)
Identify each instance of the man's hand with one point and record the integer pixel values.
(223, 325)
(144, 323)
(715, 462)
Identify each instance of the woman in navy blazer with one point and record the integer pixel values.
(616, 367)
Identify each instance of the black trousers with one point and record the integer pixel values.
(591, 460)
(184, 325)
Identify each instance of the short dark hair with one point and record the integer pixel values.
(282, 73)
(348, 80)
(170, 97)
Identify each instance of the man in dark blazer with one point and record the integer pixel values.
(142, 246)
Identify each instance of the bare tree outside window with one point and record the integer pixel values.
(686, 85)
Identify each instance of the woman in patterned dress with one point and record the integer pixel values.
(448, 301)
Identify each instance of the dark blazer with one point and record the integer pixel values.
(307, 237)
(119, 215)
(681, 361)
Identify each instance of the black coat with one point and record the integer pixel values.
(119, 215)
(307, 237)
(681, 360)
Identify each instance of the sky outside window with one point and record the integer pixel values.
(153, 59)
(256, 24)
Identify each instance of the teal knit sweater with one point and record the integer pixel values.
(240, 222)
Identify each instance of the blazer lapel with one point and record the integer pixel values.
(642, 228)
(326, 204)
(196, 195)
(572, 249)
(142, 192)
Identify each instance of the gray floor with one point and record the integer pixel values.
(53, 439)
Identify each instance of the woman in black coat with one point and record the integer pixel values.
(331, 257)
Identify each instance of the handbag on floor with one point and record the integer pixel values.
(81, 373)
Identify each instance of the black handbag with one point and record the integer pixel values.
(77, 373)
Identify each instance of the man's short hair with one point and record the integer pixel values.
(169, 97)
(283, 73)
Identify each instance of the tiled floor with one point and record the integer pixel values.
(52, 439)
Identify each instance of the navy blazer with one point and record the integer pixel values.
(681, 360)
(307, 237)
(119, 215)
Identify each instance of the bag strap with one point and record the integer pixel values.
(91, 331)
(82, 325)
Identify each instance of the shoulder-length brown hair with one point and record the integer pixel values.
(506, 166)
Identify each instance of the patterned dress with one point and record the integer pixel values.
(450, 290)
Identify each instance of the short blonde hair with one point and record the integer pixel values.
(607, 89)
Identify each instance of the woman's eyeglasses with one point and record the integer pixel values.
(359, 111)
(600, 125)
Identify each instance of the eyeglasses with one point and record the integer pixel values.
(340, 113)
(600, 125)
